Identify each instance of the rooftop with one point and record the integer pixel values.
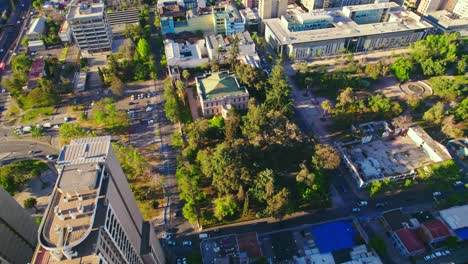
(37, 26)
(447, 20)
(456, 217)
(250, 15)
(219, 84)
(395, 219)
(344, 27)
(85, 150)
(410, 240)
(437, 229)
(85, 9)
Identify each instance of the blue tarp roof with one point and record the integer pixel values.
(334, 236)
(462, 233)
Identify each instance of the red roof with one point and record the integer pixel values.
(410, 240)
(437, 229)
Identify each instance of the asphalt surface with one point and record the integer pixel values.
(17, 150)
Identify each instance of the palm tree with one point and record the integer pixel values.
(180, 86)
(326, 106)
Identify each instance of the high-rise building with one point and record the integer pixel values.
(92, 216)
(272, 8)
(450, 5)
(321, 4)
(89, 26)
(461, 8)
(18, 231)
(426, 6)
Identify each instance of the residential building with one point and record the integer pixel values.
(92, 216)
(120, 19)
(219, 47)
(250, 16)
(186, 4)
(461, 8)
(394, 220)
(227, 20)
(250, 3)
(186, 54)
(272, 8)
(426, 6)
(321, 4)
(457, 219)
(407, 242)
(18, 231)
(450, 5)
(352, 28)
(36, 29)
(89, 26)
(36, 45)
(411, 4)
(434, 231)
(447, 22)
(220, 91)
(64, 33)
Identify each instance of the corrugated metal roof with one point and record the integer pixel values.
(85, 150)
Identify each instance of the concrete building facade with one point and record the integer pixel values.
(18, 231)
(426, 6)
(352, 28)
(227, 20)
(461, 8)
(220, 91)
(92, 216)
(89, 26)
(321, 4)
(272, 8)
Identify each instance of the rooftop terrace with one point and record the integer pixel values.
(85, 9)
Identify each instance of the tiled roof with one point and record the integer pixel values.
(437, 229)
(410, 240)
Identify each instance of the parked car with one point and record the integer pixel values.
(380, 204)
(51, 157)
(187, 243)
(167, 236)
(436, 194)
(149, 109)
(151, 121)
(356, 209)
(33, 151)
(362, 203)
(171, 243)
(458, 183)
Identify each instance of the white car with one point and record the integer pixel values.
(356, 210)
(436, 194)
(167, 236)
(362, 203)
(457, 183)
(151, 121)
(187, 243)
(149, 109)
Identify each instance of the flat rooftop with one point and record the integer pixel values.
(456, 217)
(85, 150)
(382, 158)
(447, 19)
(85, 9)
(219, 84)
(343, 27)
(72, 207)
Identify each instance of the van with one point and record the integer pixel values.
(47, 125)
(203, 236)
(27, 129)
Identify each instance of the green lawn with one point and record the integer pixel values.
(33, 114)
(15, 174)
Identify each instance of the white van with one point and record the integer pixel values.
(203, 236)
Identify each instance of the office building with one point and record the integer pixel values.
(18, 231)
(450, 4)
(219, 48)
(321, 4)
(272, 8)
(185, 54)
(89, 26)
(447, 22)
(219, 92)
(352, 28)
(64, 33)
(461, 8)
(92, 216)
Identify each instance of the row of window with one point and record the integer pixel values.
(235, 100)
(217, 110)
(106, 251)
(116, 232)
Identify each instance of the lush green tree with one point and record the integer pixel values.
(180, 86)
(25, 42)
(461, 64)
(69, 131)
(277, 206)
(21, 62)
(326, 157)
(449, 88)
(375, 187)
(326, 106)
(233, 51)
(15, 174)
(435, 52)
(264, 185)
(451, 129)
(461, 110)
(225, 206)
(190, 213)
(106, 115)
(305, 176)
(37, 131)
(435, 114)
(143, 48)
(185, 74)
(278, 95)
(431, 68)
(375, 71)
(254, 79)
(346, 97)
(117, 86)
(402, 69)
(132, 162)
(232, 126)
(29, 203)
(378, 244)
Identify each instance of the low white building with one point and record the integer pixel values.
(218, 48)
(36, 29)
(79, 81)
(185, 55)
(36, 45)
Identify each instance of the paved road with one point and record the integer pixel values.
(13, 150)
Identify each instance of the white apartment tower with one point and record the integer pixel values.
(426, 6)
(89, 26)
(461, 8)
(92, 216)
